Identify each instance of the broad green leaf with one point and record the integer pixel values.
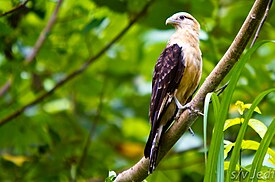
(257, 109)
(255, 124)
(231, 122)
(272, 154)
(236, 72)
(258, 126)
(226, 165)
(227, 147)
(261, 152)
(250, 145)
(242, 107)
(238, 143)
(253, 145)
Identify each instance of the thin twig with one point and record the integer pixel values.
(93, 127)
(42, 37)
(261, 23)
(20, 6)
(221, 89)
(5, 87)
(77, 71)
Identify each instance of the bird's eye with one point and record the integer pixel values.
(182, 17)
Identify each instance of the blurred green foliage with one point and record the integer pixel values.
(99, 121)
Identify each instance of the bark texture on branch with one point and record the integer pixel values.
(138, 172)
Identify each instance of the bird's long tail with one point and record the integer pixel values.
(153, 143)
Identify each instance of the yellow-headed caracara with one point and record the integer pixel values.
(176, 76)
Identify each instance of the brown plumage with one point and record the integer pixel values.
(177, 74)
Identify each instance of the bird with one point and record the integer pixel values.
(176, 76)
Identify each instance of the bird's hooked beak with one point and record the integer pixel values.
(172, 21)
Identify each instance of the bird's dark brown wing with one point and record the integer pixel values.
(166, 78)
(167, 75)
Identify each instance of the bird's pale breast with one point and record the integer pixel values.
(191, 76)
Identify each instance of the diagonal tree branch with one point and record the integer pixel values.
(262, 22)
(43, 35)
(138, 172)
(20, 6)
(78, 71)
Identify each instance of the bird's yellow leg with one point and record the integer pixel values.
(188, 106)
(181, 108)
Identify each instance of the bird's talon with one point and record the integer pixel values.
(178, 114)
(191, 131)
(188, 106)
(198, 112)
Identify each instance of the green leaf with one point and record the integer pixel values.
(272, 154)
(255, 124)
(205, 113)
(236, 74)
(213, 154)
(250, 145)
(111, 177)
(226, 166)
(261, 152)
(216, 105)
(231, 122)
(242, 107)
(238, 143)
(222, 114)
(93, 24)
(220, 165)
(227, 147)
(258, 126)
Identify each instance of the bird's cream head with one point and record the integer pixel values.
(183, 20)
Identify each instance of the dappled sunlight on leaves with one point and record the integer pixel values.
(17, 160)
